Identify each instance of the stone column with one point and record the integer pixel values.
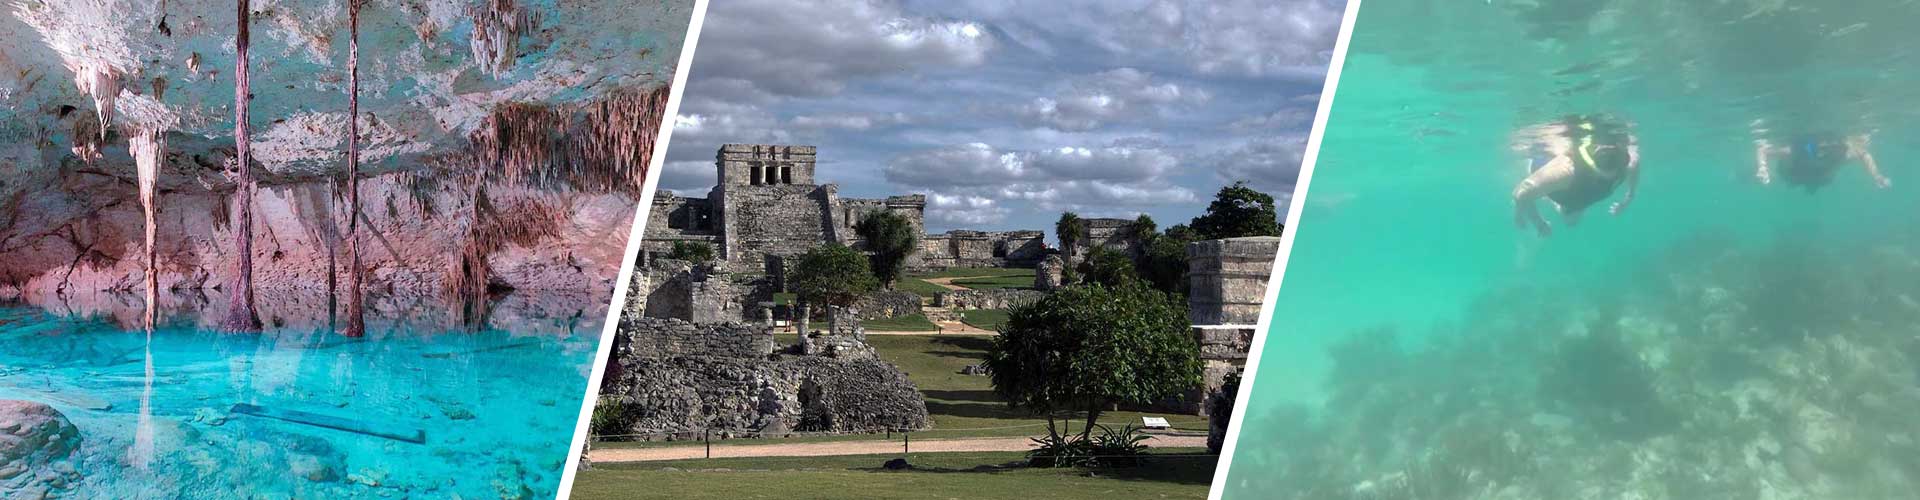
(1228, 279)
(806, 316)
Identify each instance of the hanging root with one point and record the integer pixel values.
(520, 221)
(601, 147)
(619, 138)
(497, 25)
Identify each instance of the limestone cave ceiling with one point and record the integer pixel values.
(432, 72)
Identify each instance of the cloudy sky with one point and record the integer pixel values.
(1006, 113)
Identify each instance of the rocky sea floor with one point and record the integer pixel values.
(416, 412)
(1719, 372)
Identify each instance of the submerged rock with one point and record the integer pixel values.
(35, 444)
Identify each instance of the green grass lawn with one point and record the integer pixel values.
(919, 286)
(913, 323)
(996, 282)
(934, 475)
(961, 405)
(975, 272)
(785, 297)
(985, 319)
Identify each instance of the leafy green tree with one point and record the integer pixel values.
(1108, 267)
(1183, 233)
(1238, 211)
(1164, 262)
(891, 238)
(832, 275)
(691, 251)
(1087, 347)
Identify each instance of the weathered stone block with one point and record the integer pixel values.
(1227, 279)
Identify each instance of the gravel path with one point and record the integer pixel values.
(606, 455)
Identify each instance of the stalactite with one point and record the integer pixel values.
(103, 83)
(149, 148)
(497, 26)
(240, 314)
(356, 320)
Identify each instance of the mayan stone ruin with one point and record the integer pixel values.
(672, 379)
(767, 206)
(1116, 235)
(1227, 280)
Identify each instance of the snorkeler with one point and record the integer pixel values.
(1812, 160)
(1575, 162)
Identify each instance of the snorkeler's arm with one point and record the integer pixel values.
(1761, 152)
(1633, 179)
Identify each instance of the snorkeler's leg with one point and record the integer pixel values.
(1873, 168)
(1557, 174)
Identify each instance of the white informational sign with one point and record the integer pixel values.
(1154, 422)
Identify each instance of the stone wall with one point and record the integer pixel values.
(776, 220)
(887, 304)
(676, 219)
(680, 290)
(668, 338)
(993, 298)
(847, 212)
(1118, 235)
(961, 248)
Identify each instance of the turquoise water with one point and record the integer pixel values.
(1718, 339)
(158, 418)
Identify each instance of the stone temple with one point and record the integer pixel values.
(767, 207)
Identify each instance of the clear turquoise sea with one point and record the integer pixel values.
(1717, 339)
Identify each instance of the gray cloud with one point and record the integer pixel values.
(979, 164)
(1005, 112)
(971, 184)
(850, 121)
(1271, 164)
(1236, 37)
(964, 210)
(1111, 95)
(692, 177)
(813, 47)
